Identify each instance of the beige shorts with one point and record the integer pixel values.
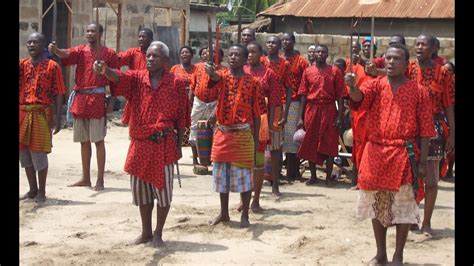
(144, 193)
(389, 207)
(85, 129)
(28, 158)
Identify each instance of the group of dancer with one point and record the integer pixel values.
(402, 120)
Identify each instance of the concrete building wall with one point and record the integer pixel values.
(383, 27)
(198, 21)
(30, 21)
(136, 15)
(339, 44)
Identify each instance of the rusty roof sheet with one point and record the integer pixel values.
(441, 9)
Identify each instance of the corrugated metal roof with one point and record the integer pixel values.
(352, 8)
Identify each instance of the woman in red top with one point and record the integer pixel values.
(184, 71)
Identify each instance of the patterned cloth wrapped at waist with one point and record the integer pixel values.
(70, 100)
(390, 142)
(144, 132)
(234, 127)
(34, 107)
(233, 144)
(35, 123)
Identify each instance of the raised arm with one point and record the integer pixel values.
(354, 93)
(61, 53)
(101, 68)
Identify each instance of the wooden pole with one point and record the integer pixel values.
(239, 27)
(209, 35)
(351, 70)
(119, 25)
(217, 42)
(55, 18)
(372, 39)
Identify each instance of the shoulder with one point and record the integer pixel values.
(25, 61)
(80, 48)
(174, 68)
(53, 64)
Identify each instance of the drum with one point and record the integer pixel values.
(268, 166)
(204, 142)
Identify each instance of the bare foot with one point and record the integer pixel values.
(141, 239)
(414, 227)
(427, 231)
(157, 241)
(81, 183)
(256, 208)
(219, 219)
(41, 197)
(244, 221)
(354, 188)
(311, 181)
(276, 194)
(378, 260)
(397, 261)
(99, 185)
(29, 195)
(240, 207)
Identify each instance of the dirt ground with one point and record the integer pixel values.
(308, 226)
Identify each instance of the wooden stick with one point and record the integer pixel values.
(217, 42)
(351, 70)
(239, 27)
(372, 39)
(209, 35)
(55, 18)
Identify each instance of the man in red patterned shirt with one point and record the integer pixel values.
(157, 124)
(134, 58)
(439, 82)
(41, 86)
(398, 112)
(267, 135)
(297, 66)
(87, 101)
(281, 67)
(240, 102)
(321, 86)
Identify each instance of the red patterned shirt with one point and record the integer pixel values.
(183, 74)
(239, 99)
(297, 66)
(439, 82)
(89, 105)
(281, 67)
(392, 119)
(268, 84)
(200, 81)
(133, 58)
(324, 86)
(152, 110)
(40, 83)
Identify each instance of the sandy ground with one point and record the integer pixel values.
(308, 226)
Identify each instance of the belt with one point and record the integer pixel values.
(160, 134)
(234, 127)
